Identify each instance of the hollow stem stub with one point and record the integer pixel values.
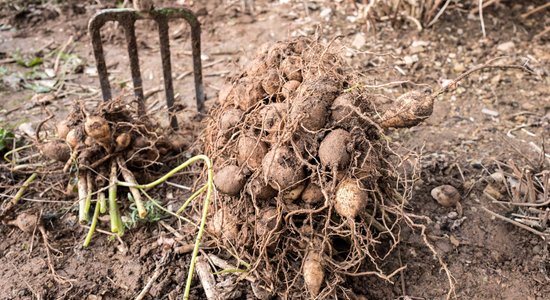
(113, 208)
(129, 177)
(82, 186)
(19, 194)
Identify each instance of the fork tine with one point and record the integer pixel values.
(100, 61)
(130, 32)
(127, 18)
(167, 69)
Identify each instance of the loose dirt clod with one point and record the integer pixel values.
(325, 173)
(312, 194)
(26, 222)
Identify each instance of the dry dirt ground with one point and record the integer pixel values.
(494, 116)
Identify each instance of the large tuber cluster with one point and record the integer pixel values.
(296, 138)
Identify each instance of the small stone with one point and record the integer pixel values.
(506, 47)
(498, 177)
(452, 215)
(409, 60)
(417, 49)
(477, 164)
(326, 13)
(359, 41)
(490, 112)
(528, 106)
(459, 68)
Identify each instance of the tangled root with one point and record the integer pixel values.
(317, 201)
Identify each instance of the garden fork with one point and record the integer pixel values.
(127, 18)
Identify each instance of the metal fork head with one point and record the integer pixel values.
(127, 19)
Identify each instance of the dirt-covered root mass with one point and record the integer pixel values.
(307, 183)
(99, 147)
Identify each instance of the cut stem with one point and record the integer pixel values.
(206, 204)
(129, 177)
(90, 187)
(113, 208)
(102, 202)
(82, 196)
(19, 194)
(94, 223)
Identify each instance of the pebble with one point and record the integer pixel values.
(359, 40)
(409, 60)
(506, 47)
(490, 112)
(452, 215)
(498, 177)
(459, 68)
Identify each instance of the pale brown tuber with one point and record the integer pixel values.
(313, 273)
(446, 195)
(281, 168)
(335, 149)
(56, 150)
(229, 180)
(350, 198)
(250, 152)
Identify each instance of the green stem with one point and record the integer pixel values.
(209, 189)
(195, 195)
(155, 203)
(93, 225)
(19, 194)
(14, 151)
(169, 174)
(210, 185)
(102, 203)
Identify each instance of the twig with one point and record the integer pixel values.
(158, 271)
(60, 53)
(542, 235)
(481, 18)
(439, 13)
(452, 84)
(535, 10)
(542, 33)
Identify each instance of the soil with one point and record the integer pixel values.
(494, 116)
